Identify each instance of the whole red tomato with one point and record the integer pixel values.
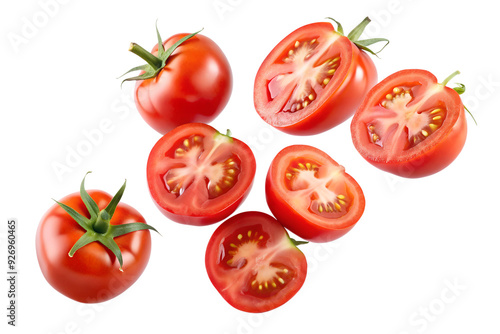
(92, 257)
(314, 79)
(198, 176)
(188, 80)
(312, 195)
(410, 124)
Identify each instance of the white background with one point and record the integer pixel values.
(391, 274)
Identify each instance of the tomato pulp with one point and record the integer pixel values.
(312, 195)
(253, 263)
(410, 125)
(313, 80)
(199, 176)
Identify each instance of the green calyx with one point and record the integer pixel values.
(460, 89)
(224, 137)
(297, 243)
(98, 227)
(355, 34)
(155, 63)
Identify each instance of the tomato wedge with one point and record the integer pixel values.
(199, 176)
(410, 125)
(253, 263)
(312, 195)
(314, 79)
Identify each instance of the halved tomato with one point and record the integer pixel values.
(199, 176)
(410, 125)
(312, 195)
(253, 263)
(314, 79)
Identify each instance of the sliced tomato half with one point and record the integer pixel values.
(410, 125)
(314, 79)
(312, 195)
(253, 263)
(199, 176)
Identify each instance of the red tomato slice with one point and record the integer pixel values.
(253, 263)
(312, 195)
(312, 80)
(410, 125)
(199, 176)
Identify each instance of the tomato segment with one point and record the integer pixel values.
(253, 264)
(311, 195)
(410, 125)
(312, 80)
(198, 176)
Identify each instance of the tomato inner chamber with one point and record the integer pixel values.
(404, 117)
(196, 162)
(306, 70)
(325, 191)
(247, 249)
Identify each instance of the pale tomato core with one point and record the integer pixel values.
(405, 117)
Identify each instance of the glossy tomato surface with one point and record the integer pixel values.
(312, 195)
(93, 274)
(410, 125)
(313, 80)
(253, 263)
(198, 176)
(194, 86)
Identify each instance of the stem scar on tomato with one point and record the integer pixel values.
(98, 227)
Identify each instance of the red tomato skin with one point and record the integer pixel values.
(194, 86)
(208, 219)
(297, 224)
(343, 103)
(431, 160)
(92, 275)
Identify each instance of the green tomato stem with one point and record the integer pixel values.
(101, 224)
(151, 59)
(451, 76)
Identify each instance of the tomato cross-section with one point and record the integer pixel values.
(198, 176)
(312, 195)
(314, 79)
(253, 263)
(410, 125)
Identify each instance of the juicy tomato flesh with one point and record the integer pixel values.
(300, 76)
(253, 263)
(246, 247)
(320, 187)
(212, 169)
(198, 176)
(309, 77)
(410, 125)
(404, 118)
(312, 195)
